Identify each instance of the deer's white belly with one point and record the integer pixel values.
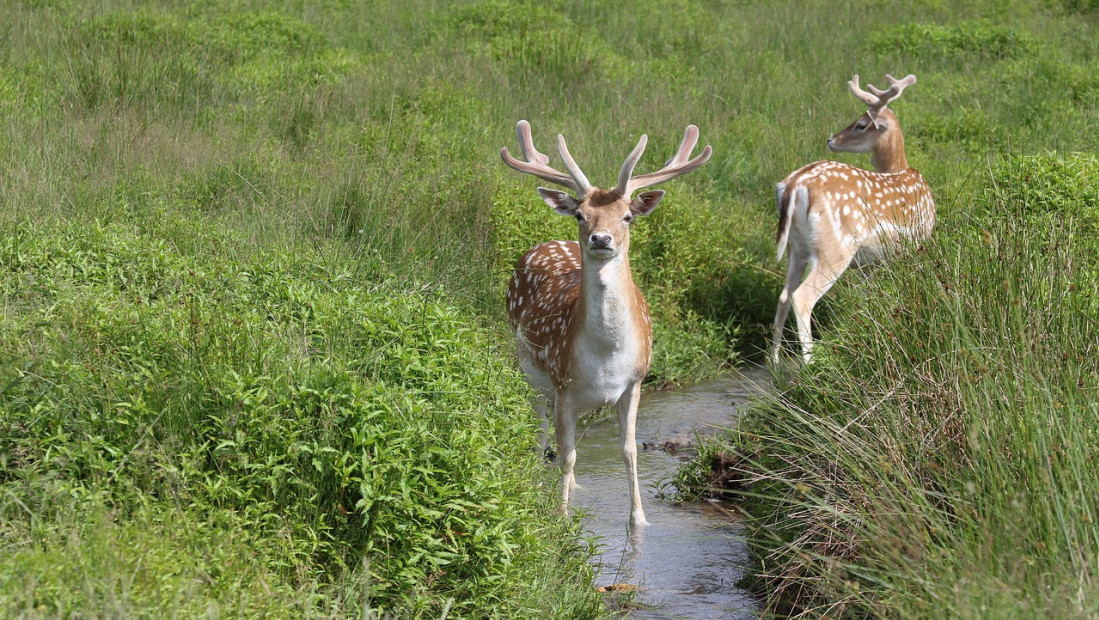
(533, 368)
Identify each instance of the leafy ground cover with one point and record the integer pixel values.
(270, 436)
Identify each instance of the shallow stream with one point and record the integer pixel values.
(687, 561)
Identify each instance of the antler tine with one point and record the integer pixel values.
(536, 163)
(676, 166)
(583, 186)
(870, 100)
(624, 175)
(526, 144)
(690, 139)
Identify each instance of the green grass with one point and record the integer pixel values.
(241, 240)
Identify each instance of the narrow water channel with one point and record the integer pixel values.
(687, 561)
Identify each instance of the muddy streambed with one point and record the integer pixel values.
(687, 561)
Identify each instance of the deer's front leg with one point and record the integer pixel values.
(627, 425)
(564, 421)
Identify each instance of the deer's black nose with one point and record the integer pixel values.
(599, 241)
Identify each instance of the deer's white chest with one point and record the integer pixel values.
(605, 363)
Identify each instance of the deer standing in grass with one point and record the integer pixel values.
(832, 214)
(582, 326)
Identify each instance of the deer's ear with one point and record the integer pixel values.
(645, 202)
(560, 201)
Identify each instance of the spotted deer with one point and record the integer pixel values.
(832, 215)
(582, 326)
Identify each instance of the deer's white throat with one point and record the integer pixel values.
(608, 297)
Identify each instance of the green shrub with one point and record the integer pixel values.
(744, 294)
(691, 349)
(534, 38)
(975, 39)
(81, 557)
(966, 127)
(1064, 187)
(9, 91)
(130, 60)
(148, 60)
(348, 424)
(1080, 80)
(1080, 6)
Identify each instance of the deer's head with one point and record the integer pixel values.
(603, 215)
(877, 126)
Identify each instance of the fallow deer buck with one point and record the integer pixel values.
(582, 326)
(832, 214)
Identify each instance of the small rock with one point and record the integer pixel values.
(676, 444)
(618, 588)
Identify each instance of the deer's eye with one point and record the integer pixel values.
(861, 126)
(627, 218)
(579, 216)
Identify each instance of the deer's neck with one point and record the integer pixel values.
(607, 302)
(888, 154)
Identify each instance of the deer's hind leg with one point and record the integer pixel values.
(795, 269)
(822, 275)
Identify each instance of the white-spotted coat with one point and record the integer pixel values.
(833, 215)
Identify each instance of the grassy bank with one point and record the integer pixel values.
(938, 458)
